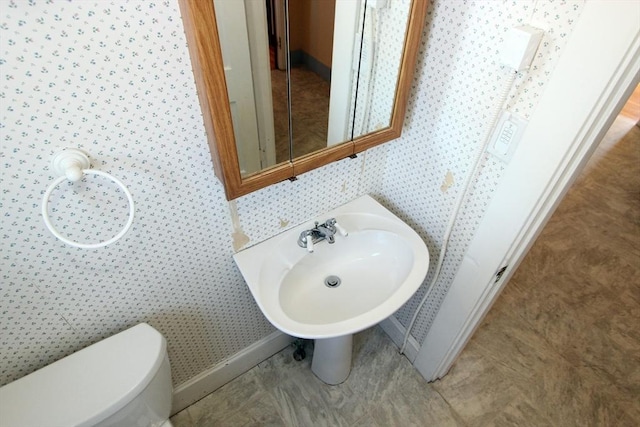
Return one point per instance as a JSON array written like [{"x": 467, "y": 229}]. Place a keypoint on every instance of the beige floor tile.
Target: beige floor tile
[
  {"x": 262, "y": 411},
  {"x": 227, "y": 401},
  {"x": 182, "y": 419},
  {"x": 475, "y": 388},
  {"x": 574, "y": 396},
  {"x": 271, "y": 371},
  {"x": 368, "y": 421},
  {"x": 375, "y": 371},
  {"x": 514, "y": 347},
  {"x": 413, "y": 401},
  {"x": 521, "y": 413},
  {"x": 306, "y": 402},
  {"x": 309, "y": 112}
]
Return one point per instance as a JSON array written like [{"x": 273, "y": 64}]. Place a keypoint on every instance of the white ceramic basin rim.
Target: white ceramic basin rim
[{"x": 381, "y": 263}]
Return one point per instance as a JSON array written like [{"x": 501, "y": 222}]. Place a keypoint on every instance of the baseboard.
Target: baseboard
[
  {"x": 396, "y": 332},
  {"x": 299, "y": 58},
  {"x": 215, "y": 377}
]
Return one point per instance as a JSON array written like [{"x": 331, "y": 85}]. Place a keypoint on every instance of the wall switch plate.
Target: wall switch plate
[{"x": 506, "y": 135}]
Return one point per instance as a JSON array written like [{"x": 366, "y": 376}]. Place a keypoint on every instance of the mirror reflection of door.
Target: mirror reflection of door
[
  {"x": 311, "y": 24},
  {"x": 249, "y": 63},
  {"x": 279, "y": 56},
  {"x": 232, "y": 27},
  {"x": 343, "y": 58}
]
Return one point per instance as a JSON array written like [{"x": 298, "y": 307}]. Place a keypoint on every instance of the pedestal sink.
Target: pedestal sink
[{"x": 340, "y": 288}]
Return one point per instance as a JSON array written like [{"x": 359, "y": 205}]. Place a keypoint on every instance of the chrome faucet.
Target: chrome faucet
[
  {"x": 326, "y": 231},
  {"x": 320, "y": 232}
]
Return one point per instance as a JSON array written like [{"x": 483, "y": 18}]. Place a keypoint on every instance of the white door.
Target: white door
[
  {"x": 261, "y": 71},
  {"x": 234, "y": 41},
  {"x": 604, "y": 50},
  {"x": 342, "y": 75}
]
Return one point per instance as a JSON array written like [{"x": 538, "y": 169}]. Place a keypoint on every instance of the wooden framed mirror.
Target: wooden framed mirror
[{"x": 219, "y": 111}]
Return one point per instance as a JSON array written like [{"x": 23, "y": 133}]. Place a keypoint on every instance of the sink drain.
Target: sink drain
[{"x": 332, "y": 281}]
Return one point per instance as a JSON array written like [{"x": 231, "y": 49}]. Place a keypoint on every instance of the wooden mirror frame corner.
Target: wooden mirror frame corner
[{"x": 199, "y": 21}]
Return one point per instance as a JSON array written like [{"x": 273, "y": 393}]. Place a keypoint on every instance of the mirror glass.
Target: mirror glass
[{"x": 303, "y": 75}]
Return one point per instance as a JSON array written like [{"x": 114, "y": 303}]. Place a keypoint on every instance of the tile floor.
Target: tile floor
[
  {"x": 561, "y": 346},
  {"x": 309, "y": 112}
]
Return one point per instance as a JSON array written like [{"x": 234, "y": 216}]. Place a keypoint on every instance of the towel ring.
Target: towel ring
[{"x": 72, "y": 164}]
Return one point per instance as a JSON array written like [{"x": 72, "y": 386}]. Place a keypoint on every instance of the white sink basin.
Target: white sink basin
[{"x": 381, "y": 263}]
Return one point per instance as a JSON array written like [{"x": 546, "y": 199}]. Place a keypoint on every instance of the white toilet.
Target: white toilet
[{"x": 124, "y": 380}]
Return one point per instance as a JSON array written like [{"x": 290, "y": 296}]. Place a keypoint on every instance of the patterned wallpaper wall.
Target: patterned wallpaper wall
[
  {"x": 459, "y": 80},
  {"x": 114, "y": 79}
]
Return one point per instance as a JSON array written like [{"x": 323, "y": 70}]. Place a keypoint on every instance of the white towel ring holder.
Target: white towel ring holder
[{"x": 72, "y": 164}]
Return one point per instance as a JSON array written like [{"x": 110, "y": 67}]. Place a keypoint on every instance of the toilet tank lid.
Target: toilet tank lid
[{"x": 87, "y": 386}]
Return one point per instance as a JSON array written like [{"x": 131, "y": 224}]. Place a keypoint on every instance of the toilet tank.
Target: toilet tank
[{"x": 124, "y": 380}]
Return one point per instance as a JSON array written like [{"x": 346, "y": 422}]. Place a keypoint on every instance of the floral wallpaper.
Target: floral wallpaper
[{"x": 113, "y": 78}]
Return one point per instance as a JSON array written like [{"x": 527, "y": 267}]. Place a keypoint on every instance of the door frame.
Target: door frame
[
  {"x": 600, "y": 67},
  {"x": 281, "y": 36},
  {"x": 236, "y": 54}
]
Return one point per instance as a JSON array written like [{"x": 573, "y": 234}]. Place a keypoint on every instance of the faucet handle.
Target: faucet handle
[
  {"x": 306, "y": 240},
  {"x": 309, "y": 240},
  {"x": 341, "y": 230}
]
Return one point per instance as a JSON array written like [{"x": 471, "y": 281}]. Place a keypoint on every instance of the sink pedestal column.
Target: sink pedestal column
[{"x": 332, "y": 358}]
